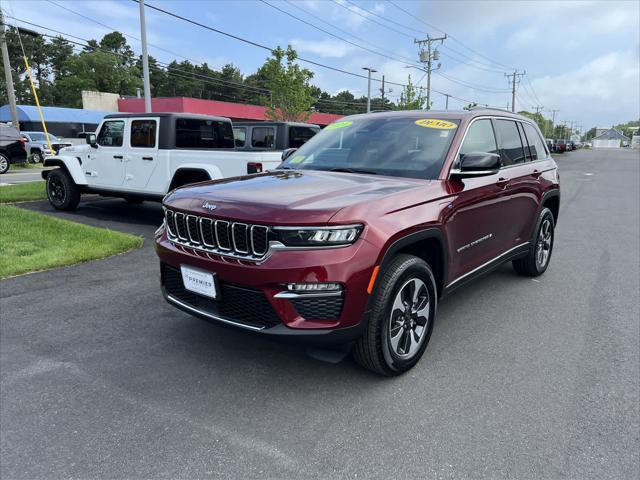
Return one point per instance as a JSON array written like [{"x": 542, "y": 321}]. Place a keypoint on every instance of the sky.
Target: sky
[{"x": 582, "y": 58}]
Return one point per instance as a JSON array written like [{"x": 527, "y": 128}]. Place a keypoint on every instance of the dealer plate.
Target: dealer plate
[{"x": 199, "y": 281}]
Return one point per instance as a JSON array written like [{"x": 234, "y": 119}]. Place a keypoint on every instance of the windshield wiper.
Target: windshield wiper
[{"x": 352, "y": 170}]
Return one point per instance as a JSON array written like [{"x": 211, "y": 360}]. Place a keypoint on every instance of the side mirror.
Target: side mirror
[
  {"x": 287, "y": 153},
  {"x": 477, "y": 164},
  {"x": 91, "y": 140}
]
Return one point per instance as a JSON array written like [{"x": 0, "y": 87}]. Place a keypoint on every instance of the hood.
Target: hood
[
  {"x": 74, "y": 149},
  {"x": 295, "y": 197}
]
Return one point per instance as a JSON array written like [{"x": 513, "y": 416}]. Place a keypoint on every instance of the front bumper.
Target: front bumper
[{"x": 252, "y": 292}]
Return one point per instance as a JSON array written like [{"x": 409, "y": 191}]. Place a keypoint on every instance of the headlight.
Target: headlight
[{"x": 318, "y": 236}]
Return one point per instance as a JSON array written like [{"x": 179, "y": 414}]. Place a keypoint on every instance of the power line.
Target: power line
[
  {"x": 450, "y": 36},
  {"x": 480, "y": 66}
]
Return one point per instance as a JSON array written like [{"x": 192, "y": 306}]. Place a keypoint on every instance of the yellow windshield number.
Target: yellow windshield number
[{"x": 435, "y": 123}]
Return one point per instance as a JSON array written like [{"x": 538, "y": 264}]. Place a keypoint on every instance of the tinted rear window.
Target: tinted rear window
[
  {"x": 298, "y": 136},
  {"x": 197, "y": 133}
]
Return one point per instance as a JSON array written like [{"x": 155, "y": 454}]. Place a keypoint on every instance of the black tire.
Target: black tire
[
  {"x": 62, "y": 192},
  {"x": 133, "y": 200},
  {"x": 4, "y": 163},
  {"x": 36, "y": 156},
  {"x": 375, "y": 350},
  {"x": 537, "y": 260}
]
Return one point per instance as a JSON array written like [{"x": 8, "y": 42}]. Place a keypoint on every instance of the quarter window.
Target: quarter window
[
  {"x": 536, "y": 146},
  {"x": 240, "y": 136},
  {"x": 111, "y": 134},
  {"x": 511, "y": 149},
  {"x": 298, "y": 136},
  {"x": 197, "y": 133},
  {"x": 143, "y": 133},
  {"x": 263, "y": 137}
]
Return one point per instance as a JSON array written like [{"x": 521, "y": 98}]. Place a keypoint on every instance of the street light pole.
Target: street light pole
[
  {"x": 370, "y": 70},
  {"x": 11, "y": 94},
  {"x": 145, "y": 59}
]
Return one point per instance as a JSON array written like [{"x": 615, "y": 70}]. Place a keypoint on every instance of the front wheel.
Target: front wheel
[
  {"x": 537, "y": 260},
  {"x": 4, "y": 163},
  {"x": 62, "y": 192},
  {"x": 401, "y": 319},
  {"x": 37, "y": 157}
]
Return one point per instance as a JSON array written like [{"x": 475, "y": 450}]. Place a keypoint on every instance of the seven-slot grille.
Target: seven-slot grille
[{"x": 220, "y": 236}]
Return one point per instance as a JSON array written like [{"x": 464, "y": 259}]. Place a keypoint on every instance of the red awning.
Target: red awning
[{"x": 235, "y": 111}]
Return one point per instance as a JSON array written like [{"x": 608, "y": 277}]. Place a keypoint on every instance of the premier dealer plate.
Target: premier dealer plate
[{"x": 198, "y": 281}]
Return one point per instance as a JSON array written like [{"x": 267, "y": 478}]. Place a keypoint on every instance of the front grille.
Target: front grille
[
  {"x": 243, "y": 305},
  {"x": 318, "y": 308},
  {"x": 219, "y": 236}
]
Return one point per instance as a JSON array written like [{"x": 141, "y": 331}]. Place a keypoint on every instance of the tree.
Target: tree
[
  {"x": 289, "y": 85},
  {"x": 411, "y": 98}
]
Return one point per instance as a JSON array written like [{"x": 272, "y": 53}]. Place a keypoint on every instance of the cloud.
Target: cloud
[
  {"x": 602, "y": 91},
  {"x": 327, "y": 48}
]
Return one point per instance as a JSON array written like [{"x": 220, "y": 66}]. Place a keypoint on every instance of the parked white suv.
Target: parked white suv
[{"x": 143, "y": 156}]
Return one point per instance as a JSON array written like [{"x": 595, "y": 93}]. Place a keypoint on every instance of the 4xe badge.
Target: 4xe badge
[{"x": 209, "y": 206}]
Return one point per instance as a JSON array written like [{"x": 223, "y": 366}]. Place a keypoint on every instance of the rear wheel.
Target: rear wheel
[
  {"x": 402, "y": 318},
  {"x": 539, "y": 254},
  {"x": 4, "y": 163},
  {"x": 62, "y": 192}
]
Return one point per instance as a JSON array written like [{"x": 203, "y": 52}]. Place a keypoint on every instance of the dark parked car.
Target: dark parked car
[
  {"x": 272, "y": 135},
  {"x": 11, "y": 147},
  {"x": 562, "y": 145},
  {"x": 360, "y": 232},
  {"x": 551, "y": 144}
]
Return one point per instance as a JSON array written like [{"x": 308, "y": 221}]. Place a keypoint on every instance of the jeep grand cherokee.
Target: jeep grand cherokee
[{"x": 360, "y": 232}]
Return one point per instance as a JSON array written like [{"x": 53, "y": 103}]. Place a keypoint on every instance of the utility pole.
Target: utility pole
[
  {"x": 384, "y": 92},
  {"x": 7, "y": 75},
  {"x": 145, "y": 59},
  {"x": 446, "y": 102},
  {"x": 370, "y": 70},
  {"x": 538, "y": 109},
  {"x": 428, "y": 57},
  {"x": 514, "y": 78},
  {"x": 553, "y": 121}
]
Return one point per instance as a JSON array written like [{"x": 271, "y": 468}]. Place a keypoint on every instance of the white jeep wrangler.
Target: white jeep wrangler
[{"x": 144, "y": 156}]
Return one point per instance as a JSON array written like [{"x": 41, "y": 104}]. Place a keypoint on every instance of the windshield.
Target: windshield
[{"x": 396, "y": 146}]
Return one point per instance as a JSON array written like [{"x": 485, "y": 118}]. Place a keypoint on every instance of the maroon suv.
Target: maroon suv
[{"x": 360, "y": 232}]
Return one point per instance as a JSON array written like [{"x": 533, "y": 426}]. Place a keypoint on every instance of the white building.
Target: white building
[{"x": 611, "y": 138}]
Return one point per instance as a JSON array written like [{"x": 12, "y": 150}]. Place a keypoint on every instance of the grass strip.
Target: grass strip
[
  {"x": 22, "y": 192},
  {"x": 30, "y": 241}
]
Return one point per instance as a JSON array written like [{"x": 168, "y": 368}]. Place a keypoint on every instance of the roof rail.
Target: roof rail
[{"x": 482, "y": 107}]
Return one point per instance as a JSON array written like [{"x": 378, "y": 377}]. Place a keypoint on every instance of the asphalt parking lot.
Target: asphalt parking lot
[{"x": 100, "y": 378}]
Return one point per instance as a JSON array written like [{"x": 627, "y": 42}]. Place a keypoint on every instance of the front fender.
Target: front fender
[{"x": 70, "y": 164}]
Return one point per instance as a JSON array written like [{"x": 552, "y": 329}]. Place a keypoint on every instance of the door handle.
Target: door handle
[
  {"x": 147, "y": 158},
  {"x": 536, "y": 173},
  {"x": 119, "y": 157},
  {"x": 502, "y": 182}
]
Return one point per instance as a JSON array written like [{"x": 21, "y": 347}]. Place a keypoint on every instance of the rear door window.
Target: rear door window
[
  {"x": 263, "y": 137},
  {"x": 111, "y": 134},
  {"x": 510, "y": 143},
  {"x": 536, "y": 145},
  {"x": 143, "y": 133},
  {"x": 202, "y": 133},
  {"x": 298, "y": 136},
  {"x": 240, "y": 136}
]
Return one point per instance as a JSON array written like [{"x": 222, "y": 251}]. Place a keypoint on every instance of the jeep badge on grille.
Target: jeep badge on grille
[{"x": 209, "y": 206}]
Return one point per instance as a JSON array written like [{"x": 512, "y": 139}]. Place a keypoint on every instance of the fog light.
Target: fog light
[{"x": 314, "y": 287}]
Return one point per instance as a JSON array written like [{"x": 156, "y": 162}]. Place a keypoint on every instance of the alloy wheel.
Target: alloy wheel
[
  {"x": 410, "y": 318},
  {"x": 543, "y": 246},
  {"x": 4, "y": 164},
  {"x": 56, "y": 191}
]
